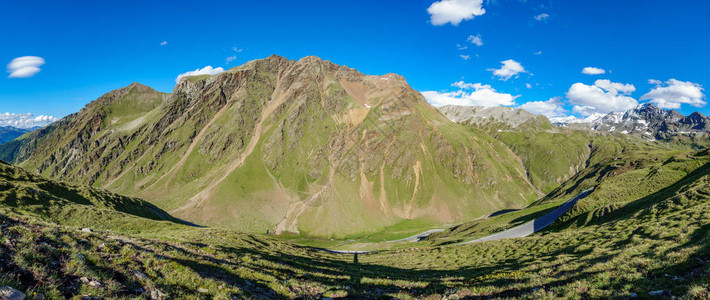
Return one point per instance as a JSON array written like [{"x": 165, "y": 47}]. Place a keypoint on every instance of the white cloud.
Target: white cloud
[
  {"x": 25, "y": 120},
  {"x": 607, "y": 85},
  {"x": 163, "y": 43},
  {"x": 602, "y": 97},
  {"x": 527, "y": 85},
  {"x": 235, "y": 49},
  {"x": 476, "y": 40},
  {"x": 508, "y": 69},
  {"x": 24, "y": 66},
  {"x": 538, "y": 53},
  {"x": 461, "y": 47},
  {"x": 481, "y": 95},
  {"x": 593, "y": 71},
  {"x": 465, "y": 57},
  {"x": 551, "y": 108},
  {"x": 542, "y": 17},
  {"x": 467, "y": 86},
  {"x": 455, "y": 11},
  {"x": 231, "y": 59},
  {"x": 672, "y": 93},
  {"x": 208, "y": 70}
]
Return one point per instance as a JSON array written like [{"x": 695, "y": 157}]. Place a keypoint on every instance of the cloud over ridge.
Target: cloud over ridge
[{"x": 208, "y": 70}]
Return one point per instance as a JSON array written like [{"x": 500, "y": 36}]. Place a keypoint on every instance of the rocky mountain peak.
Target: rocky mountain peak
[
  {"x": 648, "y": 121},
  {"x": 496, "y": 117},
  {"x": 284, "y": 144}
]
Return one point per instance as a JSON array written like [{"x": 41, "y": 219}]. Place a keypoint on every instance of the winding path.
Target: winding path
[
  {"x": 515, "y": 232},
  {"x": 417, "y": 237},
  {"x": 534, "y": 225}
]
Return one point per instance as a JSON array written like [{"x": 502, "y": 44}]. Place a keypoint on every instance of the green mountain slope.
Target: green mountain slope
[
  {"x": 301, "y": 146},
  {"x": 550, "y": 155},
  {"x": 655, "y": 246},
  {"x": 620, "y": 172},
  {"x": 25, "y": 193}
]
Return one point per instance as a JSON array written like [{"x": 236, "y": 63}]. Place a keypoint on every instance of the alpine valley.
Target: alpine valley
[
  {"x": 302, "y": 146},
  {"x": 305, "y": 179}
]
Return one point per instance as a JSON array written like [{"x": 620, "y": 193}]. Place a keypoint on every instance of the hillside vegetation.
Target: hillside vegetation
[
  {"x": 654, "y": 246},
  {"x": 297, "y": 147},
  {"x": 25, "y": 193}
]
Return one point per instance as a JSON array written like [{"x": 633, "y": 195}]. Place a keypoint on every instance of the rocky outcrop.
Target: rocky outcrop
[
  {"x": 650, "y": 122},
  {"x": 497, "y": 117}
]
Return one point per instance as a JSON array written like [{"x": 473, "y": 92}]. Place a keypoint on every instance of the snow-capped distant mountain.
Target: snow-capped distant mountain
[
  {"x": 564, "y": 121},
  {"x": 646, "y": 120}
]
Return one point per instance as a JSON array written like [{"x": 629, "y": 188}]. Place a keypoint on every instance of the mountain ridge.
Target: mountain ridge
[
  {"x": 9, "y": 133},
  {"x": 284, "y": 144},
  {"x": 645, "y": 121}
]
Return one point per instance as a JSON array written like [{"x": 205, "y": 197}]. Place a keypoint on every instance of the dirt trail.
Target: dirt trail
[
  {"x": 417, "y": 171},
  {"x": 203, "y": 195},
  {"x": 289, "y": 223},
  {"x": 290, "y": 220},
  {"x": 515, "y": 232}
]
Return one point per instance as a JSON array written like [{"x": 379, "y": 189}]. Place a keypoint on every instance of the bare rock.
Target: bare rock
[
  {"x": 140, "y": 275},
  {"x": 9, "y": 293},
  {"x": 90, "y": 282},
  {"x": 156, "y": 294}
]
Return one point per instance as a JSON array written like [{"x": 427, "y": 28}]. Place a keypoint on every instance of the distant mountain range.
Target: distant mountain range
[
  {"x": 646, "y": 121},
  {"x": 9, "y": 133},
  {"x": 649, "y": 121},
  {"x": 496, "y": 117}
]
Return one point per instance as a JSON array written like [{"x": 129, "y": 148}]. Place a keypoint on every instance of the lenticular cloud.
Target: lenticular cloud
[{"x": 24, "y": 66}]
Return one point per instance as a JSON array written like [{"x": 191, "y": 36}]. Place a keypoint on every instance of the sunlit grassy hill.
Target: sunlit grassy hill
[
  {"x": 296, "y": 147},
  {"x": 654, "y": 243}
]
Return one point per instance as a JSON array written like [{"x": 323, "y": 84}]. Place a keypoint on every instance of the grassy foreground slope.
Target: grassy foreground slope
[
  {"x": 29, "y": 194},
  {"x": 658, "y": 245},
  {"x": 620, "y": 169}
]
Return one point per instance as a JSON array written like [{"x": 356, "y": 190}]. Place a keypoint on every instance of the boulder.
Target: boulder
[
  {"x": 156, "y": 295},
  {"x": 140, "y": 275},
  {"x": 9, "y": 293}
]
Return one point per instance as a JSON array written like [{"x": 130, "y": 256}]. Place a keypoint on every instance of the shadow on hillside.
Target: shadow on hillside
[
  {"x": 309, "y": 273},
  {"x": 630, "y": 209},
  {"x": 502, "y": 212}
]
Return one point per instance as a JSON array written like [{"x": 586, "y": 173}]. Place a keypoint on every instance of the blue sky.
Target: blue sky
[{"x": 451, "y": 50}]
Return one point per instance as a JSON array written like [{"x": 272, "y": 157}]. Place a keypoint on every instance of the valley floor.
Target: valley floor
[
  {"x": 664, "y": 250},
  {"x": 643, "y": 232}
]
